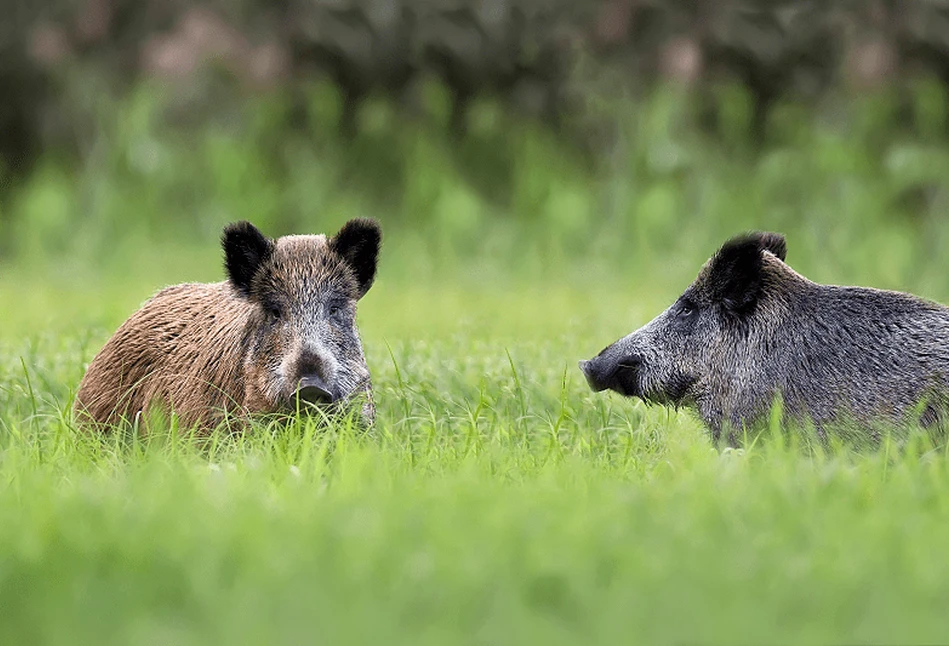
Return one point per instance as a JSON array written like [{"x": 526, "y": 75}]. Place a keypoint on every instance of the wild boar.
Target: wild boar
[
  {"x": 750, "y": 331},
  {"x": 279, "y": 331}
]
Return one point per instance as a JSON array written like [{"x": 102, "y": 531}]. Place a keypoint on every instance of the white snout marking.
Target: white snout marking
[{"x": 329, "y": 363}]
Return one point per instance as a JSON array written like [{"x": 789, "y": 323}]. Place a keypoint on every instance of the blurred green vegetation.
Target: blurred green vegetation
[{"x": 859, "y": 199}]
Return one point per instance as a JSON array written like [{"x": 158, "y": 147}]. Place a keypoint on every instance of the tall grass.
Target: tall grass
[
  {"x": 496, "y": 500},
  {"x": 483, "y": 507}
]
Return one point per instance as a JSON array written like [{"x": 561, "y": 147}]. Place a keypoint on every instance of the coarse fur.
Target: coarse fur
[
  {"x": 750, "y": 330},
  {"x": 280, "y": 329}
]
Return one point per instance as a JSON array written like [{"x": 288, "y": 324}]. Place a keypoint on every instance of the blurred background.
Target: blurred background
[{"x": 559, "y": 141}]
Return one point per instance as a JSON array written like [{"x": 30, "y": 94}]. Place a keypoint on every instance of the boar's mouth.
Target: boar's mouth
[
  {"x": 621, "y": 377},
  {"x": 673, "y": 392},
  {"x": 627, "y": 378},
  {"x": 312, "y": 393},
  {"x": 314, "y": 390},
  {"x": 315, "y": 397},
  {"x": 626, "y": 381}
]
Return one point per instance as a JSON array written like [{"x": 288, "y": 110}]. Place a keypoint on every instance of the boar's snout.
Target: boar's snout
[
  {"x": 593, "y": 375},
  {"x": 314, "y": 390},
  {"x": 315, "y": 384},
  {"x": 608, "y": 372}
]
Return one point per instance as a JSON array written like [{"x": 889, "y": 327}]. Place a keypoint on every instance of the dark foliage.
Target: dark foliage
[{"x": 524, "y": 52}]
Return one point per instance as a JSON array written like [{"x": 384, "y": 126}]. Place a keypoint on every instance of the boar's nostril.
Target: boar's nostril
[{"x": 315, "y": 391}]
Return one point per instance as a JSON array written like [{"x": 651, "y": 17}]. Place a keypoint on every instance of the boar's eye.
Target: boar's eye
[
  {"x": 334, "y": 309},
  {"x": 686, "y": 310},
  {"x": 273, "y": 311}
]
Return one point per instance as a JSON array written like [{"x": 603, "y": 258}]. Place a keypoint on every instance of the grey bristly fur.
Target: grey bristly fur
[{"x": 750, "y": 330}]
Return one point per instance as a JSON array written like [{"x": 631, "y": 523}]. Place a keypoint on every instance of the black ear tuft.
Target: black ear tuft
[
  {"x": 773, "y": 242},
  {"x": 358, "y": 244},
  {"x": 735, "y": 274},
  {"x": 245, "y": 250}
]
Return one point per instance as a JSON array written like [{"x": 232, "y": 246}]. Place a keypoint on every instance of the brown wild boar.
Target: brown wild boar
[{"x": 278, "y": 333}]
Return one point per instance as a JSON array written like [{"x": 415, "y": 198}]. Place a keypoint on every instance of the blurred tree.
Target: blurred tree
[{"x": 524, "y": 52}]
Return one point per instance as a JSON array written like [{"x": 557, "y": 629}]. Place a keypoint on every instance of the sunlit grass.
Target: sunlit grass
[{"x": 497, "y": 499}]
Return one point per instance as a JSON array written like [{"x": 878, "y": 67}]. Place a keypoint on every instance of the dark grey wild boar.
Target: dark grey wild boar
[
  {"x": 751, "y": 330},
  {"x": 280, "y": 331}
]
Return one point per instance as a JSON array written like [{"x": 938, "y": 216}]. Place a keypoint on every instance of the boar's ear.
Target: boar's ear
[
  {"x": 735, "y": 272},
  {"x": 773, "y": 242},
  {"x": 245, "y": 250},
  {"x": 358, "y": 244}
]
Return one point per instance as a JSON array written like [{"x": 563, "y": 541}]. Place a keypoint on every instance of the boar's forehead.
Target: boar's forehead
[{"x": 304, "y": 267}]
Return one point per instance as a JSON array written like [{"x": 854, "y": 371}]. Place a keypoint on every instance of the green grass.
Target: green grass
[{"x": 497, "y": 500}]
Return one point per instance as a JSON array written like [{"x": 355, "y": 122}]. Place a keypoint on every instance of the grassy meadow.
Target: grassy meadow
[{"x": 497, "y": 500}]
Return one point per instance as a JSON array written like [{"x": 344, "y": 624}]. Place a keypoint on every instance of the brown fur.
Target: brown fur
[
  {"x": 245, "y": 345},
  {"x": 179, "y": 348}
]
